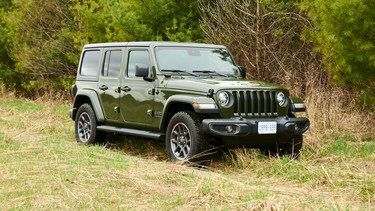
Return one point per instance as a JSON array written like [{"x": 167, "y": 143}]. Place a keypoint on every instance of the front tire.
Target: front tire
[
  {"x": 85, "y": 126},
  {"x": 184, "y": 138},
  {"x": 291, "y": 148}
]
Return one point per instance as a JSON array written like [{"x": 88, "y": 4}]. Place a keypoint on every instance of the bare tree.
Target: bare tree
[{"x": 264, "y": 36}]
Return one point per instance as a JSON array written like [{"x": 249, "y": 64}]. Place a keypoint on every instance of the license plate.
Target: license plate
[{"x": 267, "y": 127}]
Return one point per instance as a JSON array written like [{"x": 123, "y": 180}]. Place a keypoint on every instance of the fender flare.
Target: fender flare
[
  {"x": 94, "y": 100},
  {"x": 190, "y": 100}
]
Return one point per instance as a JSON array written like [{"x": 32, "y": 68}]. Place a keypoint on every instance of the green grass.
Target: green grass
[
  {"x": 23, "y": 106},
  {"x": 346, "y": 147},
  {"x": 43, "y": 168}
]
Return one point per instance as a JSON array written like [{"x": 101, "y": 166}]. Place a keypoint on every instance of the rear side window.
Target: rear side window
[
  {"x": 112, "y": 63},
  {"x": 90, "y": 63}
]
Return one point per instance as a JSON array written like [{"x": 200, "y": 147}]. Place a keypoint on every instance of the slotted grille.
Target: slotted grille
[{"x": 255, "y": 103}]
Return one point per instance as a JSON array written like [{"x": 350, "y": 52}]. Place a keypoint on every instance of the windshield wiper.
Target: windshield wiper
[
  {"x": 209, "y": 72},
  {"x": 180, "y": 71}
]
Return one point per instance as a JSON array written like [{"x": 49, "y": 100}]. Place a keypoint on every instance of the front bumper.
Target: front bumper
[{"x": 241, "y": 127}]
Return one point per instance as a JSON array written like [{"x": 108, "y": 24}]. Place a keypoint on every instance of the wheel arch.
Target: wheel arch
[
  {"x": 88, "y": 96},
  {"x": 171, "y": 109},
  {"x": 179, "y": 103}
]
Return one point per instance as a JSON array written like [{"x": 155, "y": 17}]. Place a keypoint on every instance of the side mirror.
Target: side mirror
[
  {"x": 143, "y": 70},
  {"x": 242, "y": 70}
]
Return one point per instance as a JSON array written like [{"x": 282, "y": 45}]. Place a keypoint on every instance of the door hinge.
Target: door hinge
[{"x": 151, "y": 91}]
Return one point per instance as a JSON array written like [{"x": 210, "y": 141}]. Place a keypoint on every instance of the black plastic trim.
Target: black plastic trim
[
  {"x": 134, "y": 132},
  {"x": 247, "y": 127},
  {"x": 300, "y": 108}
]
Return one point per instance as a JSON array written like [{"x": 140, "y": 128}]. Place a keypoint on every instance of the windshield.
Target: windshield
[{"x": 195, "y": 59}]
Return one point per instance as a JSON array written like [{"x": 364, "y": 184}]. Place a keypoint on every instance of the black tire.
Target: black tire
[
  {"x": 184, "y": 138},
  {"x": 85, "y": 126},
  {"x": 291, "y": 148}
]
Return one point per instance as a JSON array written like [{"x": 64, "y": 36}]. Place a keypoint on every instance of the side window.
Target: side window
[
  {"x": 90, "y": 63},
  {"x": 137, "y": 57},
  {"x": 112, "y": 63}
]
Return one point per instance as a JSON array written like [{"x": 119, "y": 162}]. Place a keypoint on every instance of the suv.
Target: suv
[{"x": 190, "y": 95}]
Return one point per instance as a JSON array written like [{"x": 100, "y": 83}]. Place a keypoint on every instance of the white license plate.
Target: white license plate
[{"x": 267, "y": 127}]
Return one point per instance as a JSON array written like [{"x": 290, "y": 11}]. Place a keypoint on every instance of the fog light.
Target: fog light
[{"x": 229, "y": 128}]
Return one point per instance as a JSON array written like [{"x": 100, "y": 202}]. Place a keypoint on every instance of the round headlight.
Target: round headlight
[
  {"x": 281, "y": 99},
  {"x": 224, "y": 98}
]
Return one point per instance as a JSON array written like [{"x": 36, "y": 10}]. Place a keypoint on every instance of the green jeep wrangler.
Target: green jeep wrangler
[{"x": 190, "y": 95}]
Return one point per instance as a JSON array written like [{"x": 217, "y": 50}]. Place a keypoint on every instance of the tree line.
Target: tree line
[
  {"x": 41, "y": 40},
  {"x": 284, "y": 41}
]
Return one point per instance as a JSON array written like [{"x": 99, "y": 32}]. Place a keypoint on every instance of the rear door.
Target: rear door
[{"x": 109, "y": 83}]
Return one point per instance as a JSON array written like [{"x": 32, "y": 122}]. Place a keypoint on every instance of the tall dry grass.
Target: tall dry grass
[
  {"x": 49, "y": 96},
  {"x": 333, "y": 111},
  {"x": 54, "y": 96},
  {"x": 5, "y": 93}
]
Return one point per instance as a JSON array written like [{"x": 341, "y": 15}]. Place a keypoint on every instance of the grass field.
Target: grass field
[{"x": 43, "y": 168}]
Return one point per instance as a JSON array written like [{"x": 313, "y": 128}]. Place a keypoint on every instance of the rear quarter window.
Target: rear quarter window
[{"x": 90, "y": 63}]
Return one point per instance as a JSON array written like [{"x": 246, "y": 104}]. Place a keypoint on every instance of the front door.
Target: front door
[{"x": 137, "y": 95}]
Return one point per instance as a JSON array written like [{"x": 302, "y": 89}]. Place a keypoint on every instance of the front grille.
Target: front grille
[{"x": 255, "y": 103}]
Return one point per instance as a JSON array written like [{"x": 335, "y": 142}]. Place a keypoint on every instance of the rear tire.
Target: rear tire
[
  {"x": 85, "y": 126},
  {"x": 184, "y": 138}
]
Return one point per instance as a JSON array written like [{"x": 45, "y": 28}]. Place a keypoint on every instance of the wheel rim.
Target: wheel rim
[
  {"x": 180, "y": 141},
  {"x": 84, "y": 127}
]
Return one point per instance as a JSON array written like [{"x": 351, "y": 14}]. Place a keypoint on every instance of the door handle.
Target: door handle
[
  {"x": 126, "y": 89},
  {"x": 103, "y": 87}
]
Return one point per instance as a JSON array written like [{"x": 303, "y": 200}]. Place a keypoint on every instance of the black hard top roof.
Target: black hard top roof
[{"x": 151, "y": 44}]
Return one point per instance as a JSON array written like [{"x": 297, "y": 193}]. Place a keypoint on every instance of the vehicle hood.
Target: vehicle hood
[{"x": 204, "y": 84}]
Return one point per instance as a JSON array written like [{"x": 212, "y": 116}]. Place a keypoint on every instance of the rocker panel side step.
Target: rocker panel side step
[{"x": 133, "y": 132}]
